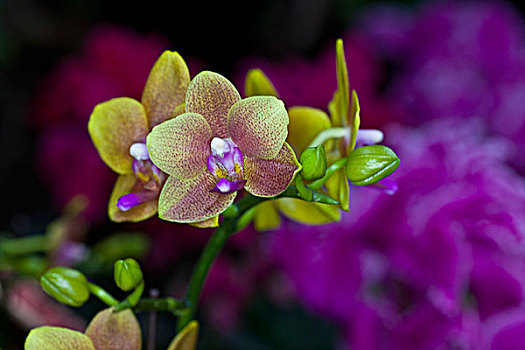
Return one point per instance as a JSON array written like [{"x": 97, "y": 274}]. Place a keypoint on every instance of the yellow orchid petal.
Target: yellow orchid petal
[
  {"x": 187, "y": 338},
  {"x": 258, "y": 84},
  {"x": 213, "y": 222},
  {"x": 212, "y": 95},
  {"x": 307, "y": 212},
  {"x": 355, "y": 120},
  {"x": 57, "y": 338},
  {"x": 114, "y": 126},
  {"x": 266, "y": 216},
  {"x": 339, "y": 107},
  {"x": 270, "y": 177},
  {"x": 305, "y": 124},
  {"x": 258, "y": 126},
  {"x": 181, "y": 146},
  {"x": 191, "y": 201},
  {"x": 339, "y": 189},
  {"x": 165, "y": 88},
  {"x": 126, "y": 184},
  {"x": 115, "y": 330}
]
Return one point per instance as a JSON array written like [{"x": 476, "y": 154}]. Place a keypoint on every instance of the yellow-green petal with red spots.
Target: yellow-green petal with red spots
[
  {"x": 124, "y": 185},
  {"x": 57, "y": 338},
  {"x": 110, "y": 330},
  {"x": 266, "y": 216},
  {"x": 305, "y": 124},
  {"x": 258, "y": 125},
  {"x": 270, "y": 177},
  {"x": 212, "y": 95},
  {"x": 258, "y": 84},
  {"x": 307, "y": 212},
  {"x": 165, "y": 88},
  {"x": 186, "y": 339},
  {"x": 181, "y": 146},
  {"x": 114, "y": 126},
  {"x": 191, "y": 200}
]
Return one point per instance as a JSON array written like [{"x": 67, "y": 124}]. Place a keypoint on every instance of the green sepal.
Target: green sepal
[
  {"x": 66, "y": 285},
  {"x": 339, "y": 106},
  {"x": 258, "y": 84},
  {"x": 127, "y": 274},
  {"x": 369, "y": 164},
  {"x": 313, "y": 160}
]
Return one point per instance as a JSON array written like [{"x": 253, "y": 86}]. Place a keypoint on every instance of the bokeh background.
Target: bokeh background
[{"x": 438, "y": 265}]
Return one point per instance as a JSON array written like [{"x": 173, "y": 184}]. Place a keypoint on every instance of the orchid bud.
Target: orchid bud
[
  {"x": 127, "y": 273},
  {"x": 66, "y": 285},
  {"x": 313, "y": 160},
  {"x": 369, "y": 164}
]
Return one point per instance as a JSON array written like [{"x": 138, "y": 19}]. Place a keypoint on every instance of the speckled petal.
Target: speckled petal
[
  {"x": 114, "y": 126},
  {"x": 187, "y": 338},
  {"x": 124, "y": 185},
  {"x": 181, "y": 146},
  {"x": 165, "y": 88},
  {"x": 269, "y": 177},
  {"x": 57, "y": 338},
  {"x": 307, "y": 212},
  {"x": 258, "y": 126},
  {"x": 212, "y": 95},
  {"x": 190, "y": 201},
  {"x": 115, "y": 330},
  {"x": 305, "y": 124}
]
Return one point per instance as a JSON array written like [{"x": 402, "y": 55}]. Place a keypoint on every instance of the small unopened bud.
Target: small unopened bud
[
  {"x": 369, "y": 164},
  {"x": 127, "y": 274},
  {"x": 313, "y": 160},
  {"x": 66, "y": 285}
]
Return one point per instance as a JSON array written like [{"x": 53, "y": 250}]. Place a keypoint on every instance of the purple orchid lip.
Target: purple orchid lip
[
  {"x": 225, "y": 186},
  {"x": 130, "y": 200}
]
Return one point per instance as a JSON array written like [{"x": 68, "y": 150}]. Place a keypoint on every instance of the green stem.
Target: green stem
[
  {"x": 210, "y": 252},
  {"x": 102, "y": 294},
  {"x": 214, "y": 246},
  {"x": 24, "y": 245},
  {"x": 172, "y": 305},
  {"x": 132, "y": 299},
  {"x": 332, "y": 133},
  {"x": 339, "y": 164}
]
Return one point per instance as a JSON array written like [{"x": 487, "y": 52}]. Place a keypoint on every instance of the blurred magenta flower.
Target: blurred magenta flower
[
  {"x": 445, "y": 251},
  {"x": 454, "y": 59}
]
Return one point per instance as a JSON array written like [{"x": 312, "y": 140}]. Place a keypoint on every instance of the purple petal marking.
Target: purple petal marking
[
  {"x": 367, "y": 137},
  {"x": 130, "y": 200},
  {"x": 386, "y": 185},
  {"x": 226, "y": 187},
  {"x": 237, "y": 156},
  {"x": 213, "y": 164}
]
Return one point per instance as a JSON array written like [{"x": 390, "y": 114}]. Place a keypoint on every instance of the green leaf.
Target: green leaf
[
  {"x": 127, "y": 274},
  {"x": 66, "y": 285},
  {"x": 313, "y": 160},
  {"x": 369, "y": 164}
]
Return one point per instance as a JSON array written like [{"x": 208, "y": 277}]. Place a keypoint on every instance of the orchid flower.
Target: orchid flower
[
  {"x": 119, "y": 127},
  {"x": 107, "y": 331},
  {"x": 306, "y": 124},
  {"x": 221, "y": 145}
]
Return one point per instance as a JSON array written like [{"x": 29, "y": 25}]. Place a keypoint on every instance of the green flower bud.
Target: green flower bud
[
  {"x": 127, "y": 274},
  {"x": 369, "y": 164},
  {"x": 313, "y": 160},
  {"x": 66, "y": 285}
]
